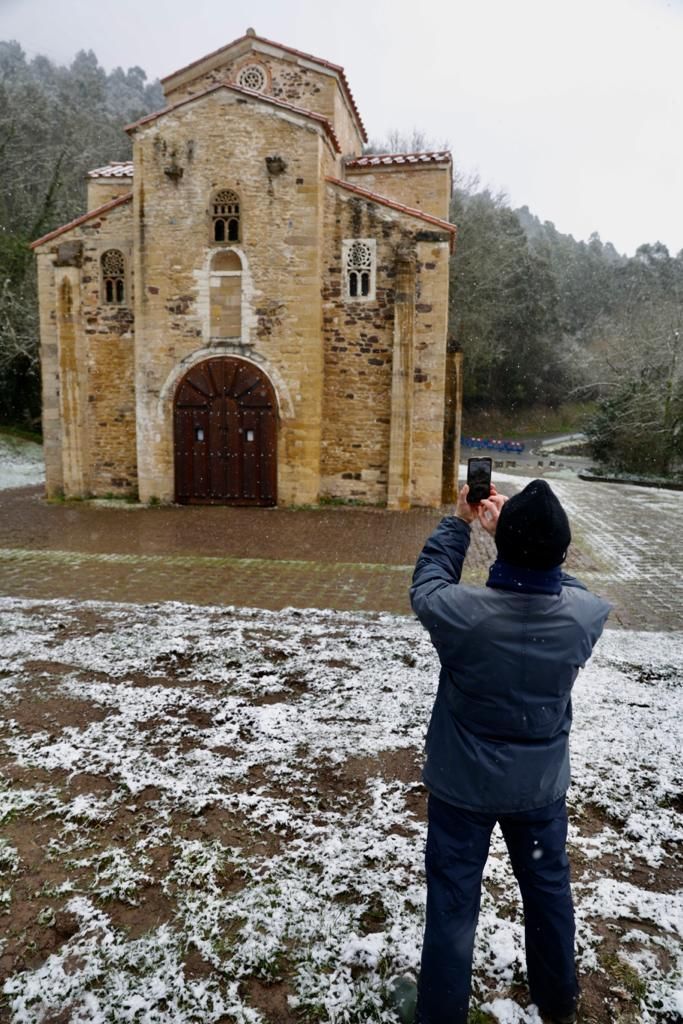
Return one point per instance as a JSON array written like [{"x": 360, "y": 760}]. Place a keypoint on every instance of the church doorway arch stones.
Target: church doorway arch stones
[
  {"x": 225, "y": 434},
  {"x": 285, "y": 406}
]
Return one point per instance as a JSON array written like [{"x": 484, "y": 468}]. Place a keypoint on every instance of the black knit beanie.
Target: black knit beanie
[{"x": 533, "y": 529}]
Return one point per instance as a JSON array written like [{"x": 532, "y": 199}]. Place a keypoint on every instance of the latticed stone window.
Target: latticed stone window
[
  {"x": 360, "y": 258},
  {"x": 226, "y": 216},
  {"x": 113, "y": 277},
  {"x": 252, "y": 77}
]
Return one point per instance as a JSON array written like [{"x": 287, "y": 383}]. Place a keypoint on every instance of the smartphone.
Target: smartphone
[{"x": 478, "y": 480}]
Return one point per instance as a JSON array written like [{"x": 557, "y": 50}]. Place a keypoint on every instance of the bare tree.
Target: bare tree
[
  {"x": 639, "y": 423},
  {"x": 398, "y": 141}
]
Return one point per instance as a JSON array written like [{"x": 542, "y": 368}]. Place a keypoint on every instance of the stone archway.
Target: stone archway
[{"x": 225, "y": 434}]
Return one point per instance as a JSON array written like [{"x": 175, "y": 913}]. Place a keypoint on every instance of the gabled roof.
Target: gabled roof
[
  {"x": 252, "y": 37},
  {"x": 115, "y": 169},
  {"x": 90, "y": 215},
  {"x": 398, "y": 159},
  {"x": 375, "y": 197},
  {"x": 240, "y": 90}
]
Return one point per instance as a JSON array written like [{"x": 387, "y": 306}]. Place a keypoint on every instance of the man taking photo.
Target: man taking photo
[{"x": 498, "y": 740}]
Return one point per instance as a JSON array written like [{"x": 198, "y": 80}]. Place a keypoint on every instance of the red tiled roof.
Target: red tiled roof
[
  {"x": 375, "y": 197},
  {"x": 393, "y": 159},
  {"x": 288, "y": 49},
  {"x": 115, "y": 169},
  {"x": 261, "y": 97},
  {"x": 98, "y": 212}
]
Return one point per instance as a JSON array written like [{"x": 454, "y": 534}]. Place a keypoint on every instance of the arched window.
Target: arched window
[
  {"x": 225, "y": 213},
  {"x": 359, "y": 257},
  {"x": 227, "y": 262},
  {"x": 225, "y": 283},
  {"x": 113, "y": 277}
]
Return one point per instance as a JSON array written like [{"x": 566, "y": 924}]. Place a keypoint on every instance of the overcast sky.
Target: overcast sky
[{"x": 572, "y": 107}]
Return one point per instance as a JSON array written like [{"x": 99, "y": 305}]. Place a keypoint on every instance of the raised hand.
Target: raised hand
[{"x": 488, "y": 510}]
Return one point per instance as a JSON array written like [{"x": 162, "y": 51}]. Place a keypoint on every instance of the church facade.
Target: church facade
[{"x": 251, "y": 311}]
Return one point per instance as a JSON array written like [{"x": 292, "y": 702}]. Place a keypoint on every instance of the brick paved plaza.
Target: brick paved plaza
[{"x": 626, "y": 546}]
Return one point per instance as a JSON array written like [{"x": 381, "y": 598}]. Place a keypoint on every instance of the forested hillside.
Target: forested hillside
[
  {"x": 56, "y": 123},
  {"x": 540, "y": 317}
]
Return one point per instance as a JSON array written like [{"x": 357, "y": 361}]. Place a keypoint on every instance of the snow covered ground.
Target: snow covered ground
[
  {"x": 215, "y": 815},
  {"x": 21, "y": 462}
]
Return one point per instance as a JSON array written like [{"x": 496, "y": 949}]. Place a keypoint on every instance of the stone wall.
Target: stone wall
[
  {"x": 424, "y": 187},
  {"x": 87, "y": 361},
  {"x": 49, "y": 370},
  {"x": 361, "y": 339},
  {"x": 218, "y": 144},
  {"x": 101, "y": 190},
  {"x": 357, "y": 338},
  {"x": 72, "y": 382},
  {"x": 429, "y": 371},
  {"x": 288, "y": 80}
]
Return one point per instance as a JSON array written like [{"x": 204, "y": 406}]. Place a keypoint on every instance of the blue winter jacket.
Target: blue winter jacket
[{"x": 498, "y": 739}]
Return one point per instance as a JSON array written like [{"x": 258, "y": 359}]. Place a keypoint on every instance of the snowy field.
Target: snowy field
[
  {"x": 21, "y": 462},
  {"x": 215, "y": 815}
]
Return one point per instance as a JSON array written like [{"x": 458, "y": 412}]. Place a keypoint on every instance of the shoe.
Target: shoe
[
  {"x": 402, "y": 997},
  {"x": 559, "y": 1018}
]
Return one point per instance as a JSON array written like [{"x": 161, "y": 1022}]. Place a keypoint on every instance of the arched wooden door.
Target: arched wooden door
[{"x": 225, "y": 423}]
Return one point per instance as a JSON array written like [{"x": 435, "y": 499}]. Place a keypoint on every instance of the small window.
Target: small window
[
  {"x": 225, "y": 211},
  {"x": 252, "y": 77},
  {"x": 226, "y": 261},
  {"x": 359, "y": 256},
  {"x": 113, "y": 277}
]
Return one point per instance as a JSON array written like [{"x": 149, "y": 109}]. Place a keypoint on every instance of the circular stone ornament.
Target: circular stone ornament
[{"x": 253, "y": 77}]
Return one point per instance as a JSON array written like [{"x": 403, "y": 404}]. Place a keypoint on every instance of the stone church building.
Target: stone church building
[{"x": 251, "y": 311}]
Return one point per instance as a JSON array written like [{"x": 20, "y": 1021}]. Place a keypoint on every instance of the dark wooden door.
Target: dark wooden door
[{"x": 225, "y": 423}]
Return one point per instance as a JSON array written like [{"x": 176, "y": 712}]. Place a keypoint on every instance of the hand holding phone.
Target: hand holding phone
[
  {"x": 478, "y": 480},
  {"x": 489, "y": 511}
]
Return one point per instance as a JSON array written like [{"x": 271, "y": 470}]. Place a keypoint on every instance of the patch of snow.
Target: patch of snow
[
  {"x": 506, "y": 1011},
  {"x": 279, "y": 722},
  {"x": 21, "y": 463}
]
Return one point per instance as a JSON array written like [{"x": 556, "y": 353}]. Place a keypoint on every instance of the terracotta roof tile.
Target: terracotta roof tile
[
  {"x": 375, "y": 197},
  {"x": 395, "y": 159},
  {"x": 288, "y": 49},
  {"x": 115, "y": 169},
  {"x": 261, "y": 97},
  {"x": 90, "y": 215}
]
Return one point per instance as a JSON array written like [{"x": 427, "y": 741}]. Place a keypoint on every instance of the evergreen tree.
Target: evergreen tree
[
  {"x": 56, "y": 123},
  {"x": 638, "y": 361},
  {"x": 504, "y": 308}
]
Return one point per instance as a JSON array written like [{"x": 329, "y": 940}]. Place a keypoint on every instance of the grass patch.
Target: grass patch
[
  {"x": 330, "y": 501},
  {"x": 59, "y": 498},
  {"x": 477, "y": 1016},
  {"x": 625, "y": 975},
  {"x": 129, "y": 497},
  {"x": 26, "y": 435},
  {"x": 327, "y": 500}
]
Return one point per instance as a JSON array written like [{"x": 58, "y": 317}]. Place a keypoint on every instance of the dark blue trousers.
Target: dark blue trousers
[{"x": 457, "y": 849}]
